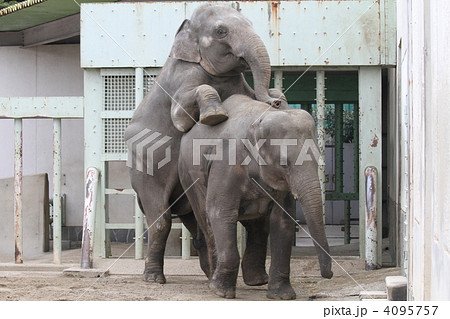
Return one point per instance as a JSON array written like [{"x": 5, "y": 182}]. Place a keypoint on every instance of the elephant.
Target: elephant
[
  {"x": 251, "y": 168},
  {"x": 205, "y": 65}
]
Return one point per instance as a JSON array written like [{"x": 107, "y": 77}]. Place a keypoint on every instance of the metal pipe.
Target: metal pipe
[
  {"x": 90, "y": 204},
  {"x": 185, "y": 243},
  {"x": 241, "y": 239},
  {"x": 371, "y": 176},
  {"x": 18, "y": 170},
  {"x": 57, "y": 247},
  {"x": 138, "y": 215},
  {"x": 347, "y": 227},
  {"x": 107, "y": 233},
  {"x": 278, "y": 80},
  {"x": 138, "y": 231},
  {"x": 320, "y": 100},
  {"x": 356, "y": 149},
  {"x": 339, "y": 148}
]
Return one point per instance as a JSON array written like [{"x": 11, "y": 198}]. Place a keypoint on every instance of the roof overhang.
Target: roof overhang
[{"x": 36, "y": 22}]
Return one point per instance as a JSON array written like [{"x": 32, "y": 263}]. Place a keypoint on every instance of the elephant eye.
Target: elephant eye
[{"x": 221, "y": 32}]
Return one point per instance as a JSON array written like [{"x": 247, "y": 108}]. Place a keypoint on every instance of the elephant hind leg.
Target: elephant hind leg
[
  {"x": 199, "y": 242},
  {"x": 204, "y": 239},
  {"x": 254, "y": 261},
  {"x": 159, "y": 222}
]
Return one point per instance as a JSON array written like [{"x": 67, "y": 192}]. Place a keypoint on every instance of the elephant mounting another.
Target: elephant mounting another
[
  {"x": 249, "y": 169},
  {"x": 209, "y": 54}
]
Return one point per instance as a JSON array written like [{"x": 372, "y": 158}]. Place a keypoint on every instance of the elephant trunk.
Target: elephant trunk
[
  {"x": 256, "y": 56},
  {"x": 309, "y": 194}
]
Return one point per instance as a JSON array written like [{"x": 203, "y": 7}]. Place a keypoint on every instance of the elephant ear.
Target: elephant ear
[{"x": 185, "y": 46}]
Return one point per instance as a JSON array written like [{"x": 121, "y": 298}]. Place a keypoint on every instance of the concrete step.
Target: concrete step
[
  {"x": 396, "y": 288},
  {"x": 33, "y": 267}
]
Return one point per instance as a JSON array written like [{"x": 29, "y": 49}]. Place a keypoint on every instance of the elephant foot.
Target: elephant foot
[
  {"x": 328, "y": 274},
  {"x": 282, "y": 292},
  {"x": 213, "y": 115},
  {"x": 155, "y": 277},
  {"x": 256, "y": 278},
  {"x": 222, "y": 291}
]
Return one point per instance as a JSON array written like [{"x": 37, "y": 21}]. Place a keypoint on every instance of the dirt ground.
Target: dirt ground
[{"x": 41, "y": 280}]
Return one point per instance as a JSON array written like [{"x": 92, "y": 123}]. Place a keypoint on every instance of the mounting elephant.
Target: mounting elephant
[
  {"x": 249, "y": 169},
  {"x": 209, "y": 54}
]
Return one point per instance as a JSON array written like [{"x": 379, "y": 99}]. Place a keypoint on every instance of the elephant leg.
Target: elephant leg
[
  {"x": 159, "y": 222},
  {"x": 199, "y": 242},
  {"x": 210, "y": 105},
  {"x": 224, "y": 227},
  {"x": 204, "y": 239},
  {"x": 254, "y": 261},
  {"x": 282, "y": 228},
  {"x": 155, "y": 208},
  {"x": 202, "y": 103}
]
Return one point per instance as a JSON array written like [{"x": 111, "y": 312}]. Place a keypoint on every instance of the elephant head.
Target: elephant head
[
  {"x": 224, "y": 42},
  {"x": 292, "y": 156}
]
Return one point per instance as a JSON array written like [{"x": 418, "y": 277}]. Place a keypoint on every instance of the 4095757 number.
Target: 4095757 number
[{"x": 410, "y": 310}]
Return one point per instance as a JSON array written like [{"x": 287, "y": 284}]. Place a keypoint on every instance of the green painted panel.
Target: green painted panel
[
  {"x": 340, "y": 87},
  {"x": 41, "y": 13}
]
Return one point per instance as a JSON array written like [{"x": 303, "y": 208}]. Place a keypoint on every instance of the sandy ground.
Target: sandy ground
[{"x": 41, "y": 280}]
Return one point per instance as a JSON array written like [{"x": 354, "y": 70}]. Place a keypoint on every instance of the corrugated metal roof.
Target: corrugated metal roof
[
  {"x": 31, "y": 13},
  {"x": 19, "y": 6}
]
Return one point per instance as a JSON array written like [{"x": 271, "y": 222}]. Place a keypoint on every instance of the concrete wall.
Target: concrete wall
[
  {"x": 35, "y": 217},
  {"x": 52, "y": 70},
  {"x": 424, "y": 91}
]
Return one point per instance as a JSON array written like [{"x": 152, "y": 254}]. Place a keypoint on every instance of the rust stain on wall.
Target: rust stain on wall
[
  {"x": 274, "y": 10},
  {"x": 374, "y": 141}
]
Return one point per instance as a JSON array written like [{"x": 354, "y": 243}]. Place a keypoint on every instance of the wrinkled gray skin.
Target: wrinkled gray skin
[
  {"x": 225, "y": 194},
  {"x": 209, "y": 53}
]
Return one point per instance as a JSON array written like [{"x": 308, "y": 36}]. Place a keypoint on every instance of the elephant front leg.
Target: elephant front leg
[
  {"x": 210, "y": 105},
  {"x": 223, "y": 225},
  {"x": 202, "y": 104},
  {"x": 254, "y": 260},
  {"x": 282, "y": 228}
]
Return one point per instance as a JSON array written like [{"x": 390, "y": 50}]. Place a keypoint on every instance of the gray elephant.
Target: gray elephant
[
  {"x": 204, "y": 67},
  {"x": 249, "y": 169}
]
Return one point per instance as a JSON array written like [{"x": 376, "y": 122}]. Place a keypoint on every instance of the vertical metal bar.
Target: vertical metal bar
[
  {"x": 18, "y": 169},
  {"x": 57, "y": 248},
  {"x": 138, "y": 231},
  {"x": 356, "y": 149},
  {"x": 185, "y": 242},
  {"x": 320, "y": 99},
  {"x": 241, "y": 239},
  {"x": 371, "y": 208},
  {"x": 93, "y": 128},
  {"x": 138, "y": 215},
  {"x": 90, "y": 205},
  {"x": 347, "y": 226},
  {"x": 370, "y": 138},
  {"x": 105, "y": 177},
  {"x": 278, "y": 80},
  {"x": 339, "y": 147}
]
